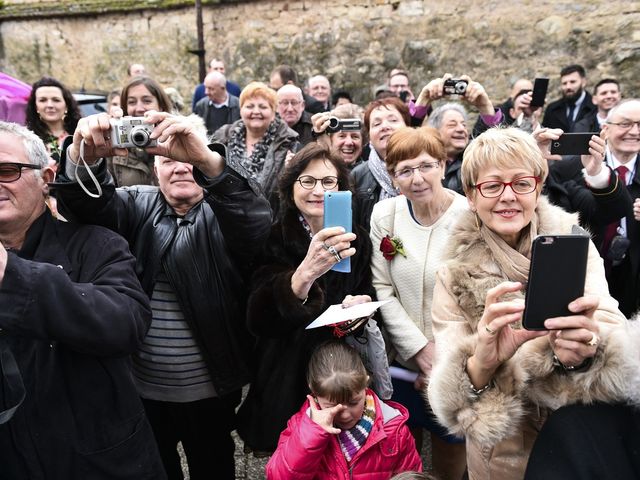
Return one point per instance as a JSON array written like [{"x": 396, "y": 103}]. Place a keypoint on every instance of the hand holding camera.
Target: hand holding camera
[{"x": 325, "y": 122}]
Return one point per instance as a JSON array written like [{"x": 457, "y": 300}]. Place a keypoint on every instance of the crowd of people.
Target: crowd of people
[{"x": 146, "y": 283}]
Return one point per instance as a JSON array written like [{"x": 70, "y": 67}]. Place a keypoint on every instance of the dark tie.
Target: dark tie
[
  {"x": 612, "y": 229},
  {"x": 572, "y": 107}
]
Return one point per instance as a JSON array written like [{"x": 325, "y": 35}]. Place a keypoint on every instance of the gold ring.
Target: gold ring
[
  {"x": 594, "y": 340},
  {"x": 489, "y": 331}
]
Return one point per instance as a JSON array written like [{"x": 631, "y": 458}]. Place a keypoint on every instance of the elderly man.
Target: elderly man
[
  {"x": 291, "y": 110},
  {"x": 194, "y": 237},
  {"x": 215, "y": 65},
  {"x": 71, "y": 313},
  {"x": 136, "y": 70},
  {"x": 320, "y": 89},
  {"x": 451, "y": 120},
  {"x": 286, "y": 75},
  {"x": 575, "y": 103},
  {"x": 219, "y": 107}
]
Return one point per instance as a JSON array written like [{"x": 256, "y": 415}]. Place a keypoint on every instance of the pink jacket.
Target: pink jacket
[{"x": 306, "y": 451}]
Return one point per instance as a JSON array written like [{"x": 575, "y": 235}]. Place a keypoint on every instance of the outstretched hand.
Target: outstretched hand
[{"x": 324, "y": 417}]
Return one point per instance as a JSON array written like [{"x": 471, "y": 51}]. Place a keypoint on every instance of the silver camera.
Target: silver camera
[
  {"x": 343, "y": 125},
  {"x": 127, "y": 132}
]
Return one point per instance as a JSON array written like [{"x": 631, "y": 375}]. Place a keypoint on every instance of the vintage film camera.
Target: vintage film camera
[{"x": 128, "y": 132}]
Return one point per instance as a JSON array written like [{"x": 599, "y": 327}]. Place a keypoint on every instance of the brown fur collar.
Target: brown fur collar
[{"x": 473, "y": 267}]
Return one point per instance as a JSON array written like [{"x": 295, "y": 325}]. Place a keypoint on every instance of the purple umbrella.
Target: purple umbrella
[{"x": 14, "y": 95}]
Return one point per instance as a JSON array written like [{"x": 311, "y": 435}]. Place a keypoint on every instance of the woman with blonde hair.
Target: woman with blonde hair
[{"x": 494, "y": 382}]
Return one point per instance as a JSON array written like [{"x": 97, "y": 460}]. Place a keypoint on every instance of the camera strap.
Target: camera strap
[
  {"x": 89, "y": 172},
  {"x": 12, "y": 388}
]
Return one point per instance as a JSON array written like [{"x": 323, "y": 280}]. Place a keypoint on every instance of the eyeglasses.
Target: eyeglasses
[
  {"x": 293, "y": 103},
  {"x": 10, "y": 172},
  {"x": 520, "y": 186},
  {"x": 407, "y": 173},
  {"x": 626, "y": 125},
  {"x": 309, "y": 183}
]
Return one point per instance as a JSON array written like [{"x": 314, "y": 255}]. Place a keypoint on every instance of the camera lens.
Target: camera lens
[
  {"x": 139, "y": 137},
  {"x": 334, "y": 122}
]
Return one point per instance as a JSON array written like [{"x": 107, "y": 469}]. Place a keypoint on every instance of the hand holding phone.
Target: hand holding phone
[
  {"x": 337, "y": 213},
  {"x": 556, "y": 277},
  {"x": 572, "y": 143}
]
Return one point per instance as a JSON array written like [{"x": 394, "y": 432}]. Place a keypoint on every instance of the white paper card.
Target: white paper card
[{"x": 337, "y": 314}]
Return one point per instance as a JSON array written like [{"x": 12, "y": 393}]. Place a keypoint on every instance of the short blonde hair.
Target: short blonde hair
[
  {"x": 258, "y": 89},
  {"x": 501, "y": 148}
]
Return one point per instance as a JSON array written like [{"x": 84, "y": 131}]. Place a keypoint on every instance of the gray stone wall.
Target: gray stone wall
[{"x": 353, "y": 42}]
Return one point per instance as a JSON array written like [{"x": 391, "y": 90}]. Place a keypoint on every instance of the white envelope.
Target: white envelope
[{"x": 337, "y": 314}]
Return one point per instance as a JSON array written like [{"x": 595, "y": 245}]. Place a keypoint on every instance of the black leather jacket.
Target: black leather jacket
[{"x": 204, "y": 254}]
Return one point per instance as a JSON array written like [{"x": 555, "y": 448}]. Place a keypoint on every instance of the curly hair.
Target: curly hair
[{"x": 35, "y": 123}]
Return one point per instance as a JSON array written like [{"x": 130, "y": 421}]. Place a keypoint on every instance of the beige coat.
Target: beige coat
[{"x": 501, "y": 424}]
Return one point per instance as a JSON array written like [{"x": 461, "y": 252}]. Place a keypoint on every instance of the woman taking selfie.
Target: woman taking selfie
[
  {"x": 139, "y": 95},
  {"x": 493, "y": 381},
  {"x": 52, "y": 114}
]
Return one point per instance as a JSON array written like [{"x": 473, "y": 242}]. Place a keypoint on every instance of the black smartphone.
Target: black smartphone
[
  {"x": 337, "y": 213},
  {"x": 556, "y": 277},
  {"x": 572, "y": 143},
  {"x": 539, "y": 93}
]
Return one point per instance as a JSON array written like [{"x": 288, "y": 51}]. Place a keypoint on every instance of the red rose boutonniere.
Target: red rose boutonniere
[{"x": 390, "y": 246}]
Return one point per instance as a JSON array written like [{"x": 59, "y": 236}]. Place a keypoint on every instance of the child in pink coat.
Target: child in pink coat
[{"x": 343, "y": 431}]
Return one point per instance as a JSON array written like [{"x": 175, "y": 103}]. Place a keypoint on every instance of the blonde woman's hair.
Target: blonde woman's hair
[{"x": 501, "y": 148}]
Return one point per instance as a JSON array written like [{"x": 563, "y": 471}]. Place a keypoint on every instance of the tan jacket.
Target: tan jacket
[{"x": 501, "y": 424}]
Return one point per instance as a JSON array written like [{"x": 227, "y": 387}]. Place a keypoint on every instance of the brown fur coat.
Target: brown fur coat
[{"x": 527, "y": 384}]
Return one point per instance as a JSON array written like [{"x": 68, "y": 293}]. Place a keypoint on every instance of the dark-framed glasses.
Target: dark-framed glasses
[
  {"x": 309, "y": 183},
  {"x": 626, "y": 124},
  {"x": 10, "y": 172},
  {"x": 520, "y": 186},
  {"x": 407, "y": 173}
]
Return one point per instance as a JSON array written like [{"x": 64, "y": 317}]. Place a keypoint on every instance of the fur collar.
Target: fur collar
[{"x": 473, "y": 267}]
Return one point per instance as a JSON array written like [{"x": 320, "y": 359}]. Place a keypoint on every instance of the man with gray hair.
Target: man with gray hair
[
  {"x": 71, "y": 312},
  {"x": 215, "y": 65},
  {"x": 291, "y": 110},
  {"x": 194, "y": 237},
  {"x": 219, "y": 107},
  {"x": 451, "y": 119},
  {"x": 320, "y": 89}
]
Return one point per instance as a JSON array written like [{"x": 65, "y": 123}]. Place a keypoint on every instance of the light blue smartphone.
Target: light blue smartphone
[{"x": 337, "y": 213}]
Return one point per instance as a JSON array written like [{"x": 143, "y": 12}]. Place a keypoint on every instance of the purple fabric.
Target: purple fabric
[{"x": 14, "y": 96}]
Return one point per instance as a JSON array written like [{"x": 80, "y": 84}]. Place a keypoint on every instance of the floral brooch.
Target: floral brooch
[{"x": 390, "y": 246}]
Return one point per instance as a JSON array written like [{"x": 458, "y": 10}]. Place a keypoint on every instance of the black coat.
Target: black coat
[
  {"x": 588, "y": 442},
  {"x": 555, "y": 116},
  {"x": 204, "y": 258},
  {"x": 367, "y": 194},
  {"x": 278, "y": 319},
  {"x": 71, "y": 312}
]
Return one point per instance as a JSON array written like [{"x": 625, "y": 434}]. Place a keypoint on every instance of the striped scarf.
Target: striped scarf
[{"x": 353, "y": 439}]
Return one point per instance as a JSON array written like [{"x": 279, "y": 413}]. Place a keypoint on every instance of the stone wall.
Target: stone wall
[{"x": 354, "y": 42}]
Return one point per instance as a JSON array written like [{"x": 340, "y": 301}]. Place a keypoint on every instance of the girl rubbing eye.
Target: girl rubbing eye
[{"x": 343, "y": 430}]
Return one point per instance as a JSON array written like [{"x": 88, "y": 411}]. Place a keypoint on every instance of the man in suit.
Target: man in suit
[
  {"x": 606, "y": 95},
  {"x": 219, "y": 107},
  {"x": 622, "y": 258},
  {"x": 575, "y": 103}
]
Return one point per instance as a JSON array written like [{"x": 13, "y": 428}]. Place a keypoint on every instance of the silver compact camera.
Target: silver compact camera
[
  {"x": 343, "y": 125},
  {"x": 128, "y": 132},
  {"x": 455, "y": 87}
]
